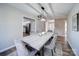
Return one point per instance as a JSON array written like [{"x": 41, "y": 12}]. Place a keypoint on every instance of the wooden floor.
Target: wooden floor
[{"x": 66, "y": 49}]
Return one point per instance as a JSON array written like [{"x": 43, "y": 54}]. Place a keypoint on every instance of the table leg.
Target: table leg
[{"x": 41, "y": 52}]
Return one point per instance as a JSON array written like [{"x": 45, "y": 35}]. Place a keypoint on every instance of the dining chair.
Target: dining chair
[
  {"x": 22, "y": 50},
  {"x": 51, "y": 44},
  {"x": 58, "y": 50}
]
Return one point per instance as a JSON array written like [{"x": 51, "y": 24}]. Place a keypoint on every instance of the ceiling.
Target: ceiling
[{"x": 52, "y": 10}]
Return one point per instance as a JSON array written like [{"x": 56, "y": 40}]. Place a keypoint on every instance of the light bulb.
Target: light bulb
[{"x": 43, "y": 19}]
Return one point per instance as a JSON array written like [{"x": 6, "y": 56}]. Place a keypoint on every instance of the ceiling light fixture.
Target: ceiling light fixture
[{"x": 43, "y": 19}]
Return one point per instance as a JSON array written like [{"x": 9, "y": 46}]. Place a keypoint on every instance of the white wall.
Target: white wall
[
  {"x": 40, "y": 26},
  {"x": 10, "y": 25},
  {"x": 73, "y": 37}
]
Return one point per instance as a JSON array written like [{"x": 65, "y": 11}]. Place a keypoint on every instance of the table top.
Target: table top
[{"x": 37, "y": 41}]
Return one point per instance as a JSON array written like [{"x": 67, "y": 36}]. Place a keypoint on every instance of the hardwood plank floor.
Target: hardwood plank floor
[{"x": 66, "y": 49}]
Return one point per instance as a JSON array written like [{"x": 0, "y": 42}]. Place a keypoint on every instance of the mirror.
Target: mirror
[{"x": 75, "y": 22}]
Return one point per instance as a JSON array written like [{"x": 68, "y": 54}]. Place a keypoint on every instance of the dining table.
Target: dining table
[{"x": 38, "y": 40}]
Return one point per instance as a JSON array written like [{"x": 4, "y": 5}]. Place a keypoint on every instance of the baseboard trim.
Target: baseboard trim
[
  {"x": 7, "y": 48},
  {"x": 75, "y": 52},
  {"x": 72, "y": 49}
]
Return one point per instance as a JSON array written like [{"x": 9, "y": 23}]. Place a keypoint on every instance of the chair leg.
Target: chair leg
[
  {"x": 42, "y": 52},
  {"x": 54, "y": 49},
  {"x": 52, "y": 52}
]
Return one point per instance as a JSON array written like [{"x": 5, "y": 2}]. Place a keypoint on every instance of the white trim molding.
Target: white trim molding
[
  {"x": 7, "y": 48},
  {"x": 72, "y": 48}
]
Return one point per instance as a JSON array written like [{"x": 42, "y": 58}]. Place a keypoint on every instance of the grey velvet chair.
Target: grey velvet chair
[{"x": 22, "y": 50}]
